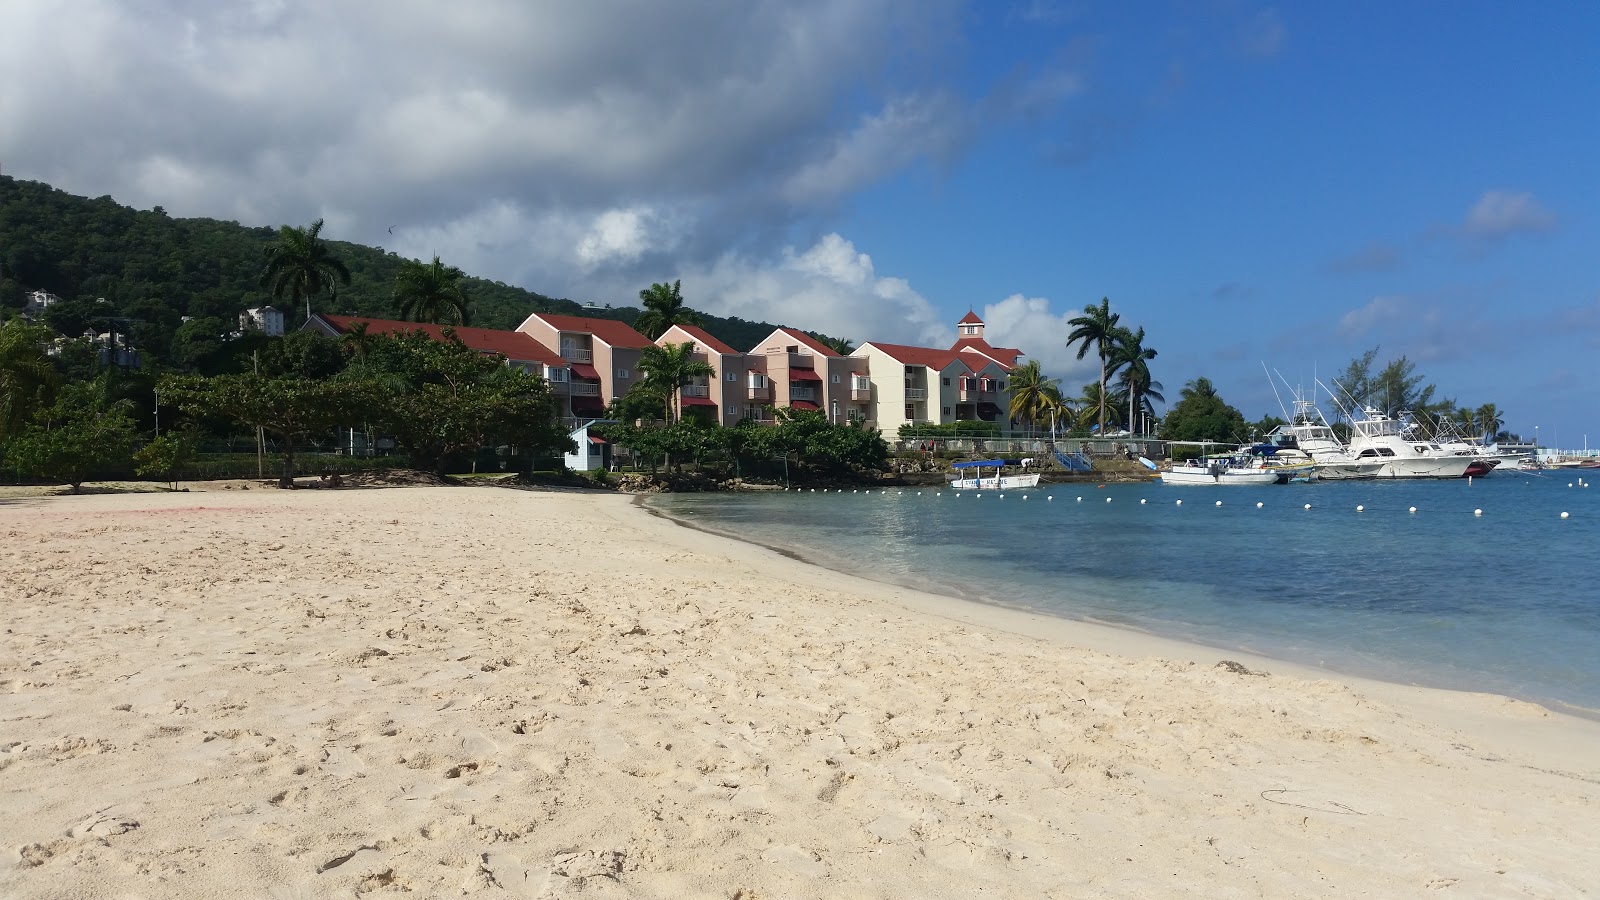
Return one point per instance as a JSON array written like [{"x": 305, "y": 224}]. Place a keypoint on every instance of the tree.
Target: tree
[
  {"x": 668, "y": 368},
  {"x": 82, "y": 434},
  {"x": 1031, "y": 398},
  {"x": 1489, "y": 421},
  {"x": 841, "y": 346},
  {"x": 441, "y": 398},
  {"x": 27, "y": 379},
  {"x": 430, "y": 293},
  {"x": 1133, "y": 357},
  {"x": 1201, "y": 415},
  {"x": 290, "y": 408},
  {"x": 300, "y": 266},
  {"x": 1356, "y": 380},
  {"x": 1096, "y": 328},
  {"x": 663, "y": 308},
  {"x": 167, "y": 456}
]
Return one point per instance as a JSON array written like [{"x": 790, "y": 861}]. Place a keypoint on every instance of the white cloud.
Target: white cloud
[
  {"x": 1029, "y": 324},
  {"x": 829, "y": 287},
  {"x": 1380, "y": 311},
  {"x": 1498, "y": 214}
]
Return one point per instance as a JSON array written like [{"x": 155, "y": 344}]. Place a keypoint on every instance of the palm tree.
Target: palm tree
[
  {"x": 430, "y": 292},
  {"x": 1489, "y": 420},
  {"x": 1030, "y": 394},
  {"x": 299, "y": 266},
  {"x": 669, "y": 368},
  {"x": 1058, "y": 407},
  {"x": 1133, "y": 357},
  {"x": 1096, "y": 328},
  {"x": 841, "y": 346},
  {"x": 356, "y": 342},
  {"x": 663, "y": 308}
]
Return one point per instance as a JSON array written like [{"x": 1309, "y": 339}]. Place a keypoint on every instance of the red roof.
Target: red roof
[
  {"x": 919, "y": 356},
  {"x": 815, "y": 345},
  {"x": 971, "y": 318},
  {"x": 513, "y": 345},
  {"x": 609, "y": 330},
  {"x": 704, "y": 337},
  {"x": 1005, "y": 356}
]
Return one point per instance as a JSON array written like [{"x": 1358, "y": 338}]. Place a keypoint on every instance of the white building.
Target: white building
[
  {"x": 265, "y": 319},
  {"x": 39, "y": 301}
]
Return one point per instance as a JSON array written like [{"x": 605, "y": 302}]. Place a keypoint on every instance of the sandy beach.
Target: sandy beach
[{"x": 448, "y": 691}]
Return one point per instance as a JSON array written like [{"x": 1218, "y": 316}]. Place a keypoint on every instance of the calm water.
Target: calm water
[{"x": 1506, "y": 602}]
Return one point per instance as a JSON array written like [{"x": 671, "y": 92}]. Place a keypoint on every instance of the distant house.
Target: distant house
[
  {"x": 38, "y": 302},
  {"x": 266, "y": 319},
  {"x": 593, "y": 452}
]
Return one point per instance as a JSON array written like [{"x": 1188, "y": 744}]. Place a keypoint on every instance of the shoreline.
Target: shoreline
[
  {"x": 231, "y": 694},
  {"x": 1189, "y": 648}
]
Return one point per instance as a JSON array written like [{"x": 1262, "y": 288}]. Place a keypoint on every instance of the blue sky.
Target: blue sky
[{"x": 1287, "y": 184}]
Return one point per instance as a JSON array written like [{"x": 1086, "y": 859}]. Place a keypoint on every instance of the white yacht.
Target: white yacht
[
  {"x": 1309, "y": 437},
  {"x": 1379, "y": 437}
]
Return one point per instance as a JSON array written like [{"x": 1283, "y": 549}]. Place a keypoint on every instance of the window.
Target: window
[
  {"x": 835, "y": 379},
  {"x": 555, "y": 375},
  {"x": 792, "y": 348},
  {"x": 911, "y": 412},
  {"x": 947, "y": 410},
  {"x": 1002, "y": 385},
  {"x": 758, "y": 380},
  {"x": 733, "y": 376},
  {"x": 622, "y": 373},
  {"x": 946, "y": 382}
]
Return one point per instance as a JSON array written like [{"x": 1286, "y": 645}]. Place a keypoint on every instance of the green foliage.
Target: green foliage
[
  {"x": 82, "y": 434},
  {"x": 1096, "y": 328},
  {"x": 1035, "y": 399},
  {"x": 306, "y": 354},
  {"x": 27, "y": 379},
  {"x": 975, "y": 428},
  {"x": 1266, "y": 425},
  {"x": 804, "y": 439},
  {"x": 299, "y": 267},
  {"x": 1201, "y": 415},
  {"x": 440, "y": 399},
  {"x": 292, "y": 408},
  {"x": 668, "y": 368},
  {"x": 663, "y": 308},
  {"x": 167, "y": 456},
  {"x": 431, "y": 293}
]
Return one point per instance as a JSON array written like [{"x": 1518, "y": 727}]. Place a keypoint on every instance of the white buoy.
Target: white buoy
[
  {"x": 1141, "y": 502},
  {"x": 1360, "y": 508},
  {"x": 1002, "y": 496},
  {"x": 1108, "y": 499},
  {"x": 1258, "y": 504},
  {"x": 1219, "y": 502},
  {"x": 1569, "y": 484},
  {"x": 1050, "y": 497},
  {"x": 813, "y": 490},
  {"x": 977, "y": 496},
  {"x": 1024, "y": 496},
  {"x": 1563, "y": 515},
  {"x": 1308, "y": 506},
  {"x": 919, "y": 493},
  {"x": 1080, "y": 499},
  {"x": 1178, "y": 503},
  {"x": 1413, "y": 509},
  {"x": 1477, "y": 512}
]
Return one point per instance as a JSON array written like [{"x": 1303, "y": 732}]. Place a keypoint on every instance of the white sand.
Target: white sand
[{"x": 453, "y": 690}]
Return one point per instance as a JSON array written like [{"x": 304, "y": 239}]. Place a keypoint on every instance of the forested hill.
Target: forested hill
[{"x": 154, "y": 270}]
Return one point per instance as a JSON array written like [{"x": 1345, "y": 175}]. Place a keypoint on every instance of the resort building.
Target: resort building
[
  {"x": 928, "y": 386},
  {"x": 724, "y": 395},
  {"x": 801, "y": 372},
  {"x": 266, "y": 319},
  {"x": 519, "y": 349},
  {"x": 38, "y": 302},
  {"x": 603, "y": 355}
]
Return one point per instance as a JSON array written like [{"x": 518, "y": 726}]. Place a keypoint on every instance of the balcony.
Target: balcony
[
  {"x": 797, "y": 360},
  {"x": 576, "y": 354},
  {"x": 696, "y": 390},
  {"x": 974, "y": 395},
  {"x": 861, "y": 394},
  {"x": 585, "y": 389},
  {"x": 916, "y": 393},
  {"x": 759, "y": 393},
  {"x": 803, "y": 393}
]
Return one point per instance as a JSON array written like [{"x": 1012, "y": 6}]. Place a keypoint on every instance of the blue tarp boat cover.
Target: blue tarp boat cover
[{"x": 986, "y": 463}]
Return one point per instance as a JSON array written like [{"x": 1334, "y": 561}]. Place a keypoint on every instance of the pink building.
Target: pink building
[{"x": 602, "y": 353}]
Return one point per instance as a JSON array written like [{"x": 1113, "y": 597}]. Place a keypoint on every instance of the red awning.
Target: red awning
[
  {"x": 803, "y": 404},
  {"x": 596, "y": 440},
  {"x": 584, "y": 370},
  {"x": 698, "y": 401},
  {"x": 803, "y": 375},
  {"x": 588, "y": 403}
]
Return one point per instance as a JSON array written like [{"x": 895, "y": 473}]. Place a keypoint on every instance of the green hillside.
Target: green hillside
[{"x": 153, "y": 270}]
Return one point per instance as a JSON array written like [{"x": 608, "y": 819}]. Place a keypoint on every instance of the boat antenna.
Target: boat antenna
[{"x": 1275, "y": 395}]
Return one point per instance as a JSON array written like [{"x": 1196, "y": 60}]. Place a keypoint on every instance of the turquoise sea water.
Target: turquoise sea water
[{"x": 1507, "y": 602}]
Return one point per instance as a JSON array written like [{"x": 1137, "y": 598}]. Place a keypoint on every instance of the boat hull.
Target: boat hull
[
  {"x": 1224, "y": 477},
  {"x": 1002, "y": 483}
]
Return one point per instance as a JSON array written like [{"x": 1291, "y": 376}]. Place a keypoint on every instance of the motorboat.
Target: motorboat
[
  {"x": 1229, "y": 470},
  {"x": 1379, "y": 437},
  {"x": 1308, "y": 438},
  {"x": 998, "y": 481}
]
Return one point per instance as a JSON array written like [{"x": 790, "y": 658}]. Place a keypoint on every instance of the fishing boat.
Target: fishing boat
[
  {"x": 1378, "y": 437},
  {"x": 998, "y": 481},
  {"x": 1308, "y": 438},
  {"x": 1229, "y": 470}
]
